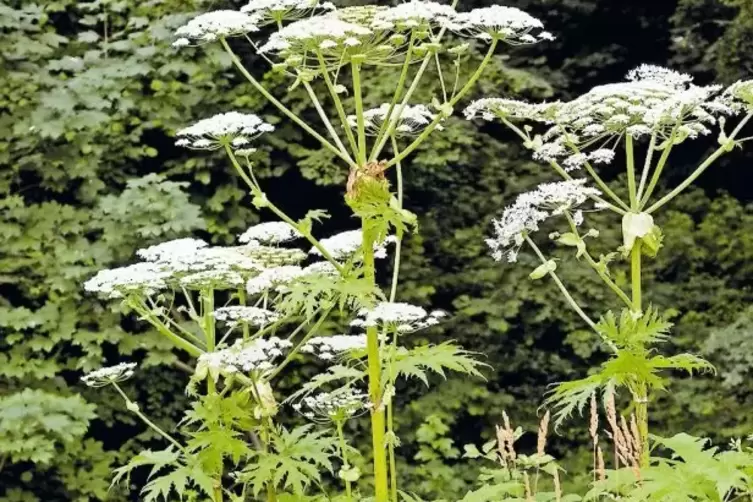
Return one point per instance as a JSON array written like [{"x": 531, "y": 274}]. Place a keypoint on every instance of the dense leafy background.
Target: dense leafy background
[{"x": 91, "y": 94}]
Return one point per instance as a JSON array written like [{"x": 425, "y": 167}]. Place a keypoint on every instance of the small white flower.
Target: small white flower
[
  {"x": 257, "y": 356},
  {"x": 326, "y": 346},
  {"x": 272, "y": 232},
  {"x": 338, "y": 405},
  {"x": 139, "y": 278},
  {"x": 531, "y": 209},
  {"x": 111, "y": 374},
  {"x": 273, "y": 279},
  {"x": 403, "y": 317},
  {"x": 345, "y": 244},
  {"x": 301, "y": 36},
  {"x": 214, "y": 279},
  {"x": 253, "y": 316},
  {"x": 416, "y": 14},
  {"x": 211, "y": 26},
  {"x": 222, "y": 129},
  {"x": 511, "y": 109},
  {"x": 413, "y": 119},
  {"x": 506, "y": 24},
  {"x": 273, "y": 11},
  {"x": 170, "y": 249}
]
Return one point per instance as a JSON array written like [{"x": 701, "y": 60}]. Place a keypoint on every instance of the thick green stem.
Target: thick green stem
[
  {"x": 292, "y": 116},
  {"x": 393, "y": 297},
  {"x": 630, "y": 154},
  {"x": 242, "y": 302},
  {"x": 360, "y": 124},
  {"x": 640, "y": 394},
  {"x": 375, "y": 381}
]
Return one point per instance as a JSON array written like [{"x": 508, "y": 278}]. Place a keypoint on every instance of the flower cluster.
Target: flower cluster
[
  {"x": 272, "y": 232},
  {"x": 271, "y": 256},
  {"x": 212, "y": 26},
  {"x": 412, "y": 120},
  {"x": 257, "y": 356},
  {"x": 253, "y": 316},
  {"x": 402, "y": 317},
  {"x": 275, "y": 278},
  {"x": 188, "y": 263},
  {"x": 139, "y": 278},
  {"x": 346, "y": 244},
  {"x": 327, "y": 347},
  {"x": 111, "y": 374},
  {"x": 414, "y": 15},
  {"x": 653, "y": 101},
  {"x": 531, "y": 209},
  {"x": 506, "y": 24},
  {"x": 233, "y": 128},
  {"x": 511, "y": 109},
  {"x": 276, "y": 11},
  {"x": 336, "y": 406},
  {"x": 327, "y": 35}
]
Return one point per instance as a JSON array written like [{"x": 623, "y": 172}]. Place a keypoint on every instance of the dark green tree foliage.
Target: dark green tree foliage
[{"x": 91, "y": 95}]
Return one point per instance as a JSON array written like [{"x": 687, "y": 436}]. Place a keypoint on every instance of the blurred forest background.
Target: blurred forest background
[{"x": 91, "y": 94}]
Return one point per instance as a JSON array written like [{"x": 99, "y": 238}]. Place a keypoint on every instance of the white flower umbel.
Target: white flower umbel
[
  {"x": 111, "y": 374},
  {"x": 531, "y": 209},
  {"x": 271, "y": 232},
  {"x": 185, "y": 256},
  {"x": 139, "y": 278},
  {"x": 212, "y": 26},
  {"x": 653, "y": 101},
  {"x": 402, "y": 317},
  {"x": 271, "y": 256},
  {"x": 277, "y": 11},
  {"x": 345, "y": 244},
  {"x": 321, "y": 268},
  {"x": 232, "y": 128},
  {"x": 414, "y": 15},
  {"x": 510, "y": 109},
  {"x": 273, "y": 279},
  {"x": 213, "y": 279},
  {"x": 253, "y": 316},
  {"x": 257, "y": 356},
  {"x": 170, "y": 249},
  {"x": 334, "y": 406},
  {"x": 506, "y": 24},
  {"x": 326, "y": 34},
  {"x": 327, "y": 347},
  {"x": 413, "y": 119}
]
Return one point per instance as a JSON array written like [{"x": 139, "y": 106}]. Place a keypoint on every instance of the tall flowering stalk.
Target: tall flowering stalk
[
  {"x": 655, "y": 109},
  {"x": 314, "y": 43}
]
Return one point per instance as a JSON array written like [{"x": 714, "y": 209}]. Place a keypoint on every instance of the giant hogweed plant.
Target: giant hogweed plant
[
  {"x": 639, "y": 123},
  {"x": 245, "y": 312}
]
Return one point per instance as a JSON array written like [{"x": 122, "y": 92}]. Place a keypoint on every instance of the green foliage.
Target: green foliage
[
  {"x": 694, "y": 472},
  {"x": 36, "y": 425},
  {"x": 294, "y": 460}
]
